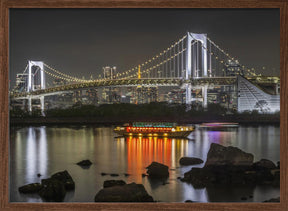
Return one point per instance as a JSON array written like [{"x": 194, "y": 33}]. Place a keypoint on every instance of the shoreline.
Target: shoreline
[{"x": 116, "y": 121}]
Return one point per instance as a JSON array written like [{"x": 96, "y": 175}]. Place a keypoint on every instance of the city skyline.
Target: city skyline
[{"x": 79, "y": 42}]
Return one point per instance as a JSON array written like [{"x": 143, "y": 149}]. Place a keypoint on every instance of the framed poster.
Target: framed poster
[{"x": 172, "y": 102}]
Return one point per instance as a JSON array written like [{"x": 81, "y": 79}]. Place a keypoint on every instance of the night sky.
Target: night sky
[{"x": 79, "y": 42}]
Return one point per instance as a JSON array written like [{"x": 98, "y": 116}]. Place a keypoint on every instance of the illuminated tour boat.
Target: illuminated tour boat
[{"x": 159, "y": 129}]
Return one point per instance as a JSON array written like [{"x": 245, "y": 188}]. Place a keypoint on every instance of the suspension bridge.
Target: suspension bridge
[{"x": 193, "y": 61}]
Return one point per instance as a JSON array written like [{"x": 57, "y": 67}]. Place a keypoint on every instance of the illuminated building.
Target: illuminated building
[
  {"x": 21, "y": 82},
  {"x": 77, "y": 96},
  {"x": 253, "y": 97},
  {"x": 176, "y": 96},
  {"x": 109, "y": 72},
  {"x": 92, "y": 96},
  {"x": 146, "y": 94},
  {"x": 111, "y": 95}
]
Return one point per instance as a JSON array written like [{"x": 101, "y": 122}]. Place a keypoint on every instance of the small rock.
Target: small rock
[
  {"x": 179, "y": 177},
  {"x": 188, "y": 201},
  {"x": 126, "y": 175},
  {"x": 111, "y": 183},
  {"x": 114, "y": 175},
  {"x": 243, "y": 198},
  {"x": 185, "y": 161},
  {"x": 39, "y": 175},
  {"x": 85, "y": 163},
  {"x": 103, "y": 174},
  {"x": 30, "y": 188},
  {"x": 157, "y": 170}
]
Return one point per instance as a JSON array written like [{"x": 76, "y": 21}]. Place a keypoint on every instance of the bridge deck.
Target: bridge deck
[{"x": 130, "y": 82}]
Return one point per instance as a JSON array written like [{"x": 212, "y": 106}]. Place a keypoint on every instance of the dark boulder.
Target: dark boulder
[
  {"x": 222, "y": 169},
  {"x": 53, "y": 190},
  {"x": 30, "y": 188},
  {"x": 220, "y": 155},
  {"x": 125, "y": 193},
  {"x": 190, "y": 161},
  {"x": 264, "y": 163},
  {"x": 198, "y": 177},
  {"x": 157, "y": 170},
  {"x": 85, "y": 163},
  {"x": 111, "y": 183},
  {"x": 273, "y": 200},
  {"x": 65, "y": 178},
  {"x": 189, "y": 201}
]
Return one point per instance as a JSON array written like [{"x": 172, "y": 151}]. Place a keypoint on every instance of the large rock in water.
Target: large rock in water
[
  {"x": 185, "y": 161},
  {"x": 125, "y": 193},
  {"x": 111, "y": 183},
  {"x": 53, "y": 190},
  {"x": 30, "y": 188},
  {"x": 220, "y": 155},
  {"x": 231, "y": 166},
  {"x": 65, "y": 178},
  {"x": 157, "y": 170}
]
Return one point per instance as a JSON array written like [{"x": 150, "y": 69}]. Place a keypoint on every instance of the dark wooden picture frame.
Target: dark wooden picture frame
[{"x": 282, "y": 5}]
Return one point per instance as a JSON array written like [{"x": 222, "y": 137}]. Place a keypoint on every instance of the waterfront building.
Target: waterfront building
[
  {"x": 253, "y": 97},
  {"x": 21, "y": 82},
  {"x": 146, "y": 94},
  {"x": 92, "y": 96}
]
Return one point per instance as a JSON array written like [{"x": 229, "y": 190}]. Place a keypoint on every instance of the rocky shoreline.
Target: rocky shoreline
[
  {"x": 232, "y": 166},
  {"x": 224, "y": 166}
]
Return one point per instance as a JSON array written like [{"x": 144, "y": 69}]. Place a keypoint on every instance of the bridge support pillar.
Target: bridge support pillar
[
  {"x": 188, "y": 95},
  {"x": 29, "y": 104},
  {"x": 203, "y": 39},
  {"x": 42, "y": 105},
  {"x": 204, "y": 95}
]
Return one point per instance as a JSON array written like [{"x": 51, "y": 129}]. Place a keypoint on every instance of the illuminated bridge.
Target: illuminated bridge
[{"x": 192, "y": 62}]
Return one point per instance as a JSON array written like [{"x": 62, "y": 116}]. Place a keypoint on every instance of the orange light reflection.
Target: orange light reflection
[{"x": 141, "y": 152}]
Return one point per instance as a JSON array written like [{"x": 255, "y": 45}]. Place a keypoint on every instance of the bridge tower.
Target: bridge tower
[
  {"x": 34, "y": 84},
  {"x": 193, "y": 59}
]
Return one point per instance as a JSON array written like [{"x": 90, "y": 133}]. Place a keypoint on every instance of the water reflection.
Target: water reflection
[
  {"x": 46, "y": 150},
  {"x": 141, "y": 152},
  {"x": 36, "y": 153}
]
